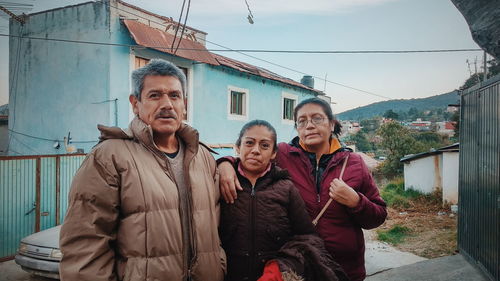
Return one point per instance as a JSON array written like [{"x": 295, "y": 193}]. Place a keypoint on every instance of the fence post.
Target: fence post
[
  {"x": 37, "y": 194},
  {"x": 58, "y": 190}
]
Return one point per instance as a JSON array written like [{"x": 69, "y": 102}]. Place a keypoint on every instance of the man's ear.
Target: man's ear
[{"x": 133, "y": 101}]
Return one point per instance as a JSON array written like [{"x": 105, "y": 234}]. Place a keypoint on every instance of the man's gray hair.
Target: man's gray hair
[{"x": 156, "y": 67}]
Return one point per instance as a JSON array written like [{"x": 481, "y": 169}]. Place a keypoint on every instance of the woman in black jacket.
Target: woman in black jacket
[{"x": 267, "y": 233}]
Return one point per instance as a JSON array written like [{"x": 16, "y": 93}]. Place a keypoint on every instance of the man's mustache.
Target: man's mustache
[{"x": 166, "y": 114}]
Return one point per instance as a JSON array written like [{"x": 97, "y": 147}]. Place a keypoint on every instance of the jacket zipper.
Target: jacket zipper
[
  {"x": 318, "y": 188},
  {"x": 252, "y": 223},
  {"x": 187, "y": 263}
]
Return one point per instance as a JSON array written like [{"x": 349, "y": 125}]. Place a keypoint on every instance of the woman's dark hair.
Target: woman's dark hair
[
  {"x": 254, "y": 123},
  {"x": 326, "y": 109}
]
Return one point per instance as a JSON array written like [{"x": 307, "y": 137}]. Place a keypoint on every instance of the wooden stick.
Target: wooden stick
[{"x": 315, "y": 221}]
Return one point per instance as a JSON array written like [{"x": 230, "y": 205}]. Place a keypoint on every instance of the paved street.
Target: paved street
[
  {"x": 383, "y": 263},
  {"x": 380, "y": 257},
  {"x": 10, "y": 271}
]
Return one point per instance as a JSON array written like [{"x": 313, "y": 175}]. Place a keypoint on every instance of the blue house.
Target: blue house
[{"x": 70, "y": 70}]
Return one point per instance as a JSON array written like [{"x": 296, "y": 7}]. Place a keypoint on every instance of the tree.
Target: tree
[
  {"x": 398, "y": 142},
  {"x": 370, "y": 125},
  {"x": 390, "y": 114},
  {"x": 429, "y": 140},
  {"x": 362, "y": 143}
]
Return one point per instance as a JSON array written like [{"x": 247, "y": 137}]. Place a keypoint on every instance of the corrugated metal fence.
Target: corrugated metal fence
[
  {"x": 479, "y": 177},
  {"x": 33, "y": 195}
]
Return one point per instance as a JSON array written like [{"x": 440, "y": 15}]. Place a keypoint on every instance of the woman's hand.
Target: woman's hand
[
  {"x": 228, "y": 182},
  {"x": 344, "y": 194}
]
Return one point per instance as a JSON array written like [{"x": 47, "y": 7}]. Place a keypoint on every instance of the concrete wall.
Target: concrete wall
[
  {"x": 432, "y": 172},
  {"x": 59, "y": 87},
  {"x": 62, "y": 87},
  {"x": 450, "y": 177},
  {"x": 211, "y": 116},
  {"x": 420, "y": 174}
]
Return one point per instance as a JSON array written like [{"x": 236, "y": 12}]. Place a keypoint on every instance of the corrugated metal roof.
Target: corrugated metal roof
[
  {"x": 259, "y": 71},
  {"x": 162, "y": 41},
  {"x": 153, "y": 38}
]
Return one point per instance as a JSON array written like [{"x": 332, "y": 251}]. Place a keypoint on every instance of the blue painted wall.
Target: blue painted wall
[
  {"x": 58, "y": 87},
  {"x": 211, "y": 99}
]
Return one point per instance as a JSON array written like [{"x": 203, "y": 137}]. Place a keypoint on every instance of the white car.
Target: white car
[{"x": 39, "y": 253}]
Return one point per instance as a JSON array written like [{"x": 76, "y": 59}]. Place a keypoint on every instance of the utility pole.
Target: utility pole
[
  {"x": 485, "y": 67},
  {"x": 324, "y": 87},
  {"x": 475, "y": 69}
]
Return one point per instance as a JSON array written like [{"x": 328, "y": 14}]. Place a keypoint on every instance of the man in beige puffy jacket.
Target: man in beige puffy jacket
[{"x": 144, "y": 203}]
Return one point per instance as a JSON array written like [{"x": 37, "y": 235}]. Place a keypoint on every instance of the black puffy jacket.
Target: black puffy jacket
[{"x": 264, "y": 217}]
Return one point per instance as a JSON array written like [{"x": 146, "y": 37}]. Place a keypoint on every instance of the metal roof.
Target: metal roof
[
  {"x": 162, "y": 41},
  {"x": 259, "y": 71},
  {"x": 450, "y": 148}
]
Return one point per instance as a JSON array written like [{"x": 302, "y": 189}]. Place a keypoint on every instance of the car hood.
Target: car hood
[{"x": 48, "y": 238}]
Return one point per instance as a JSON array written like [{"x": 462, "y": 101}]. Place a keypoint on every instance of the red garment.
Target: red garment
[
  {"x": 340, "y": 226},
  {"x": 271, "y": 272}
]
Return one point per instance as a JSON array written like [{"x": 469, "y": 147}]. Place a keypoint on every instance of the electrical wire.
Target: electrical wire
[
  {"x": 183, "y": 27},
  {"x": 254, "y": 57},
  {"x": 178, "y": 25},
  {"x": 51, "y": 140},
  {"x": 14, "y": 86},
  {"x": 227, "y": 49}
]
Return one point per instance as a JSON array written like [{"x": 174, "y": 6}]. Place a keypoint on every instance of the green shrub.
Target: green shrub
[
  {"x": 395, "y": 235},
  {"x": 395, "y": 195}
]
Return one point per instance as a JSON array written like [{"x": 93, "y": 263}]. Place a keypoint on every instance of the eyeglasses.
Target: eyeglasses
[{"x": 317, "y": 120}]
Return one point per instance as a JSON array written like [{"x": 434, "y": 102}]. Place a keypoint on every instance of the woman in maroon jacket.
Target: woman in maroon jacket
[{"x": 314, "y": 160}]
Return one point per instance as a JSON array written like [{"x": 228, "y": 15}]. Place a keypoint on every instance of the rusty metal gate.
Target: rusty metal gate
[
  {"x": 33, "y": 195},
  {"x": 479, "y": 177}
]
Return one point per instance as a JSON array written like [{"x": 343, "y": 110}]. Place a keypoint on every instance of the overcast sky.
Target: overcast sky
[{"x": 328, "y": 25}]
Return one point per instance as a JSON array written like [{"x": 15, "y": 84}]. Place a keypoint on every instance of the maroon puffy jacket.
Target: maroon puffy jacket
[{"x": 340, "y": 226}]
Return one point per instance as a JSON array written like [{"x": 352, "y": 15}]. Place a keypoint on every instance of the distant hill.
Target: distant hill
[{"x": 379, "y": 108}]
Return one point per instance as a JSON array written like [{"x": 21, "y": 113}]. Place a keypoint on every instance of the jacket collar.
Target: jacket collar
[
  {"x": 143, "y": 133},
  {"x": 336, "y": 156}
]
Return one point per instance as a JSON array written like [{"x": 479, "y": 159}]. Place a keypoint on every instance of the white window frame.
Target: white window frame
[
  {"x": 285, "y": 95},
  {"x": 246, "y": 103}
]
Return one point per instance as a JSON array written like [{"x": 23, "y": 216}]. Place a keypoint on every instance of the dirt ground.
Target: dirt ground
[{"x": 433, "y": 230}]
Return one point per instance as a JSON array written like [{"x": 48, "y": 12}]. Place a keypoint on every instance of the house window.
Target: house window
[
  {"x": 140, "y": 62},
  {"x": 288, "y": 103},
  {"x": 237, "y": 103},
  {"x": 288, "y": 106},
  {"x": 237, "y": 99}
]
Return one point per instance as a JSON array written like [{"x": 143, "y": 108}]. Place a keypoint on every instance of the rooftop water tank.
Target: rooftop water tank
[{"x": 308, "y": 81}]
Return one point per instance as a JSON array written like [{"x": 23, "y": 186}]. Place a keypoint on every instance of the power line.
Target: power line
[
  {"x": 227, "y": 49},
  {"x": 178, "y": 25},
  {"x": 183, "y": 27},
  {"x": 243, "y": 53},
  {"x": 51, "y": 140}
]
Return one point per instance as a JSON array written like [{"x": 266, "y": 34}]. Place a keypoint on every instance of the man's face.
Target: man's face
[{"x": 161, "y": 104}]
